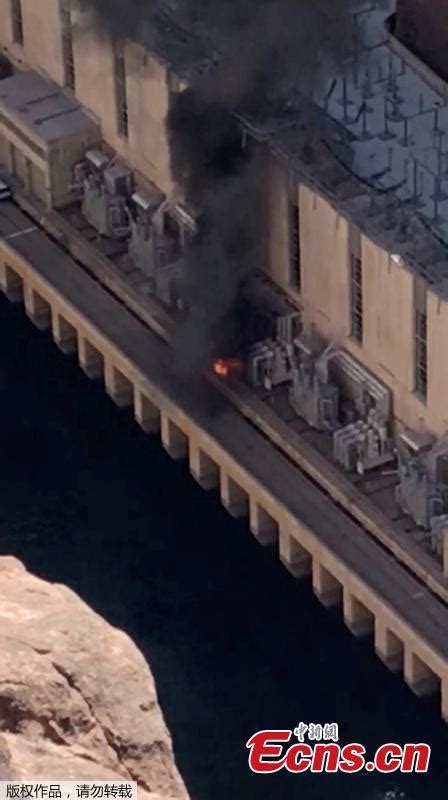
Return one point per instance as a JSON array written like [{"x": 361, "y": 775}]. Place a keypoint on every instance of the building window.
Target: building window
[
  {"x": 67, "y": 45},
  {"x": 420, "y": 338},
  {"x": 17, "y": 21},
  {"x": 120, "y": 93},
  {"x": 421, "y": 353},
  {"x": 356, "y": 300},
  {"x": 295, "y": 277}
]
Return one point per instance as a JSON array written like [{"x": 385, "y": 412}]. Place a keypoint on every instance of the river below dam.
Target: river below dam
[{"x": 235, "y": 644}]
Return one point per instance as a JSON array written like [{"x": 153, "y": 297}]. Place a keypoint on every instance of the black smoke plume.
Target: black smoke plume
[{"x": 266, "y": 50}]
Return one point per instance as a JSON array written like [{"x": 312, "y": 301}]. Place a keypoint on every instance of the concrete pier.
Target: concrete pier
[
  {"x": 357, "y": 616},
  {"x": 388, "y": 647},
  {"x": 174, "y": 440},
  {"x": 262, "y": 525},
  {"x": 293, "y": 556},
  {"x": 418, "y": 676},
  {"x": 325, "y": 586},
  {"x": 118, "y": 387},
  {"x": 255, "y": 479},
  {"x": 64, "y": 334},
  {"x": 90, "y": 359},
  {"x": 12, "y": 284},
  {"x": 233, "y": 497},
  {"x": 37, "y": 309},
  {"x": 202, "y": 468},
  {"x": 146, "y": 413}
]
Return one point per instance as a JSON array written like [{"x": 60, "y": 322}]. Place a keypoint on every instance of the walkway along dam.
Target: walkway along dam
[{"x": 314, "y": 536}]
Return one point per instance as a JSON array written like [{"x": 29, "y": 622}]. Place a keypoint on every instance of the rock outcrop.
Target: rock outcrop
[{"x": 77, "y": 700}]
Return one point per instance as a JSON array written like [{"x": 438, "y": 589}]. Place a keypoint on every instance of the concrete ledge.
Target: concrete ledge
[
  {"x": 325, "y": 586},
  {"x": 233, "y": 497},
  {"x": 393, "y": 663},
  {"x": 37, "y": 309},
  {"x": 146, "y": 413},
  {"x": 174, "y": 441},
  {"x": 311, "y": 526},
  {"x": 203, "y": 469},
  {"x": 12, "y": 284},
  {"x": 64, "y": 334},
  {"x": 262, "y": 525},
  {"x": 333, "y": 482},
  {"x": 118, "y": 387},
  {"x": 293, "y": 556},
  {"x": 357, "y": 617},
  {"x": 281, "y": 435},
  {"x": 100, "y": 267},
  {"x": 40, "y": 321},
  {"x": 388, "y": 647},
  {"x": 419, "y": 677},
  {"x": 90, "y": 359}
]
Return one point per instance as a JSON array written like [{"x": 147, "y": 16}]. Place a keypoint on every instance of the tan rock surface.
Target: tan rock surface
[{"x": 77, "y": 699}]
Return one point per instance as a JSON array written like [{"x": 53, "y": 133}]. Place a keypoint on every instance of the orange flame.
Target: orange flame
[{"x": 227, "y": 366}]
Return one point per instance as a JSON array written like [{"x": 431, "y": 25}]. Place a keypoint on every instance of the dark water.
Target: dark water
[{"x": 236, "y": 645}]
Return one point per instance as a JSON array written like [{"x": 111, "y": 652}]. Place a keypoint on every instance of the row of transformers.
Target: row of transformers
[
  {"x": 326, "y": 386},
  {"x": 155, "y": 230},
  {"x": 334, "y": 393}
]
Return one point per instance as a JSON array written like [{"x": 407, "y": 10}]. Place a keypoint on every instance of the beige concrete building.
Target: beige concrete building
[
  {"x": 358, "y": 245},
  {"x": 350, "y": 281}
]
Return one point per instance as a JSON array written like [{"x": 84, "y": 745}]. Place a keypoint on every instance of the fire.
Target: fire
[{"x": 228, "y": 366}]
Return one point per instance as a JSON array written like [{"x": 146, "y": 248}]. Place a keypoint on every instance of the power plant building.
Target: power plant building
[{"x": 358, "y": 213}]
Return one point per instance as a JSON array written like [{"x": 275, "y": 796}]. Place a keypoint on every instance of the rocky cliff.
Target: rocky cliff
[{"x": 77, "y": 700}]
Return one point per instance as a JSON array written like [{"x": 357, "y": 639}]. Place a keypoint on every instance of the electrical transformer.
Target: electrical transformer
[
  {"x": 364, "y": 439},
  {"x": 364, "y": 444},
  {"x": 160, "y": 231},
  {"x": 313, "y": 398},
  {"x": 145, "y": 241},
  {"x": 422, "y": 492},
  {"x": 271, "y": 361},
  {"x": 105, "y": 188},
  {"x": 269, "y": 365},
  {"x": 439, "y": 530},
  {"x": 331, "y": 391}
]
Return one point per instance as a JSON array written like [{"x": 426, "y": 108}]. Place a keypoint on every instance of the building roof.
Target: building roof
[
  {"x": 41, "y": 107},
  {"x": 180, "y": 44},
  {"x": 399, "y": 129},
  {"x": 373, "y": 142}
]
